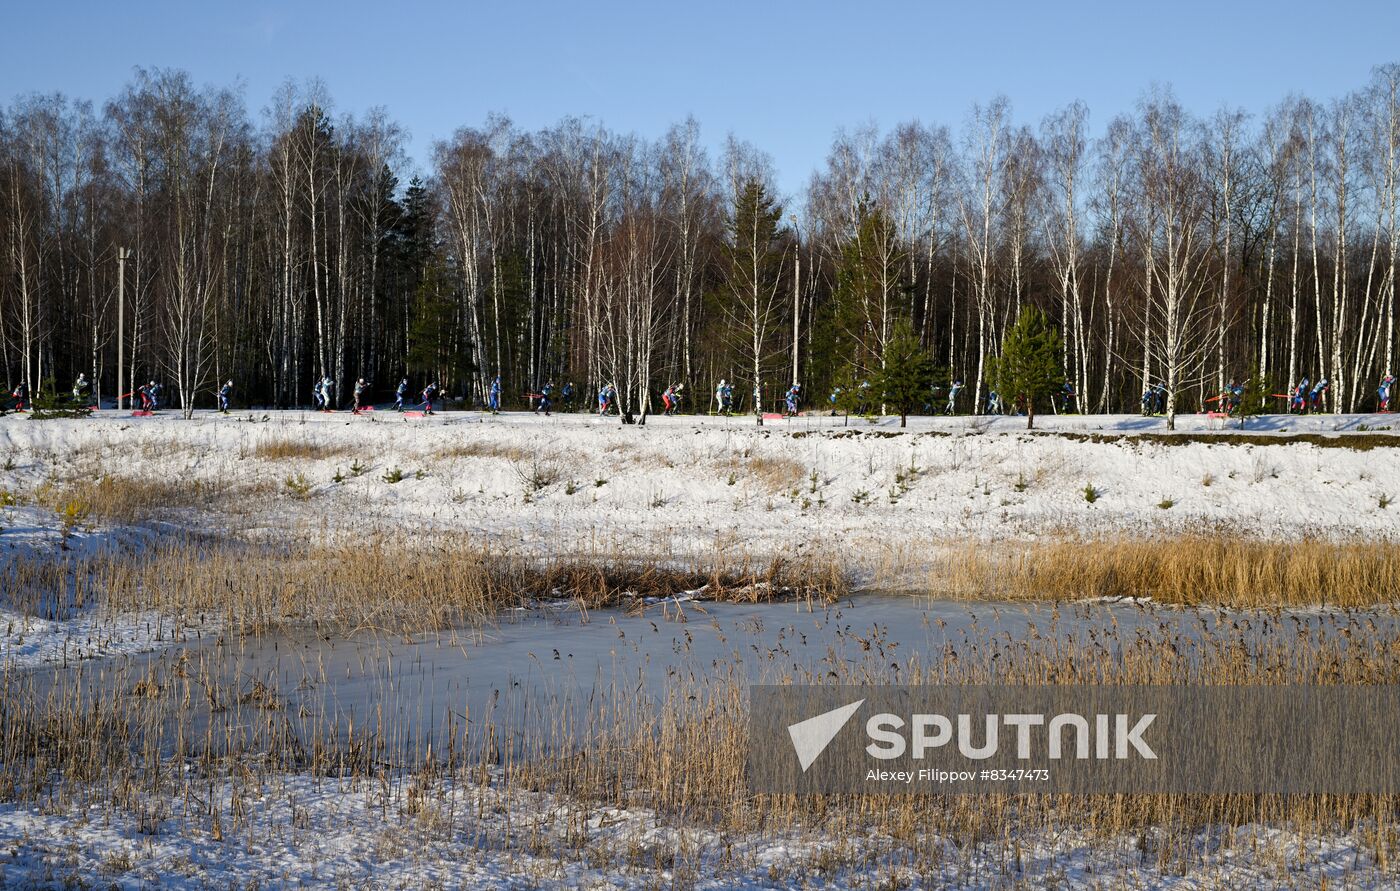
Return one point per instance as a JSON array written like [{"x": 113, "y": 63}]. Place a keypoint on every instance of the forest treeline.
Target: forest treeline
[{"x": 279, "y": 247}]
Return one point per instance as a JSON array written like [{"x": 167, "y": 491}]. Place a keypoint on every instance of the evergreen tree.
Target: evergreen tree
[
  {"x": 908, "y": 372},
  {"x": 433, "y": 350},
  {"x": 1254, "y": 400},
  {"x": 1029, "y": 366},
  {"x": 850, "y": 395}
]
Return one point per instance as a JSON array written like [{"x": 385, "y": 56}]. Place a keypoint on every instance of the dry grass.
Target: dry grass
[
  {"x": 776, "y": 473},
  {"x": 124, "y": 500},
  {"x": 481, "y": 448},
  {"x": 1197, "y": 569},
  {"x": 402, "y": 586},
  {"x": 284, "y": 448},
  {"x": 130, "y": 737}
]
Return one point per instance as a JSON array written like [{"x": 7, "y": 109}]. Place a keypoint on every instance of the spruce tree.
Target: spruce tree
[
  {"x": 908, "y": 372},
  {"x": 1029, "y": 367}
]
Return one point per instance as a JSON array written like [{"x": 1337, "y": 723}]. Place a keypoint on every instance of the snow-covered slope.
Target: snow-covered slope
[{"x": 687, "y": 485}]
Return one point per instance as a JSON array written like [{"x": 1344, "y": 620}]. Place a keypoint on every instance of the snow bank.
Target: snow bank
[{"x": 300, "y": 831}]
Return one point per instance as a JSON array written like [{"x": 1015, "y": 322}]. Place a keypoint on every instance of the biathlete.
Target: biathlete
[
  {"x": 792, "y": 398},
  {"x": 607, "y": 395},
  {"x": 671, "y": 398},
  {"x": 20, "y": 397},
  {"x": 1315, "y": 397},
  {"x": 546, "y": 392},
  {"x": 724, "y": 395},
  {"x": 953, "y": 392}
]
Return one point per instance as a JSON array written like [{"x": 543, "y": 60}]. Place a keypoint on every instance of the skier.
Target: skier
[
  {"x": 80, "y": 388},
  {"x": 493, "y": 396},
  {"x": 1231, "y": 399},
  {"x": 1154, "y": 400},
  {"x": 1315, "y": 397},
  {"x": 671, "y": 398},
  {"x": 933, "y": 392},
  {"x": 144, "y": 392},
  {"x": 361, "y": 387},
  {"x": 327, "y": 394},
  {"x": 20, "y": 397},
  {"x": 953, "y": 392},
  {"x": 722, "y": 396},
  {"x": 155, "y": 391},
  {"x": 1299, "y": 402},
  {"x": 994, "y": 406},
  {"x": 545, "y": 392},
  {"x": 1383, "y": 392},
  {"x": 400, "y": 394},
  {"x": 793, "y": 397},
  {"x": 568, "y": 394},
  {"x": 1068, "y": 395},
  {"x": 225, "y": 394},
  {"x": 606, "y": 396},
  {"x": 429, "y": 394}
]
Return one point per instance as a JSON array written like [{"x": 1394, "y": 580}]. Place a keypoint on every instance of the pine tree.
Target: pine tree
[
  {"x": 908, "y": 373},
  {"x": 850, "y": 396},
  {"x": 1253, "y": 401},
  {"x": 1029, "y": 366}
]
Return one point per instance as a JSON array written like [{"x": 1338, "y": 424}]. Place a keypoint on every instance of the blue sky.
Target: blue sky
[{"x": 782, "y": 75}]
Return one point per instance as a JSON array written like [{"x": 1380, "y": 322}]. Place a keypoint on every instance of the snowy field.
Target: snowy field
[{"x": 689, "y": 485}]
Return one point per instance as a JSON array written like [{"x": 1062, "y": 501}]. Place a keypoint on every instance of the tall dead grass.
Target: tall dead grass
[
  {"x": 1191, "y": 570},
  {"x": 776, "y": 473},
  {"x": 143, "y": 736},
  {"x": 285, "y": 448},
  {"x": 481, "y": 448},
  {"x": 398, "y": 585},
  {"x": 125, "y": 500}
]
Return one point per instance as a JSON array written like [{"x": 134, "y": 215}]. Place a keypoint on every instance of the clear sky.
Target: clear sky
[{"x": 782, "y": 75}]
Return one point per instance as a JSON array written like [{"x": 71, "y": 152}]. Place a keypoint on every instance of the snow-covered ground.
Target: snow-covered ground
[
  {"x": 693, "y": 485},
  {"x": 861, "y": 494},
  {"x": 27, "y": 641},
  {"x": 301, "y": 831}
]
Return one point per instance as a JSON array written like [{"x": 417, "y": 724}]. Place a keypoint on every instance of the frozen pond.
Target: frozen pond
[{"x": 558, "y": 672}]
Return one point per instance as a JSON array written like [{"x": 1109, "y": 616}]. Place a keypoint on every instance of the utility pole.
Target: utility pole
[
  {"x": 122, "y": 255},
  {"x": 796, "y": 293}
]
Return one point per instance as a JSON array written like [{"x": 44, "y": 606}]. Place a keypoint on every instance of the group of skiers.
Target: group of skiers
[
  {"x": 1302, "y": 400},
  {"x": 1305, "y": 397}
]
